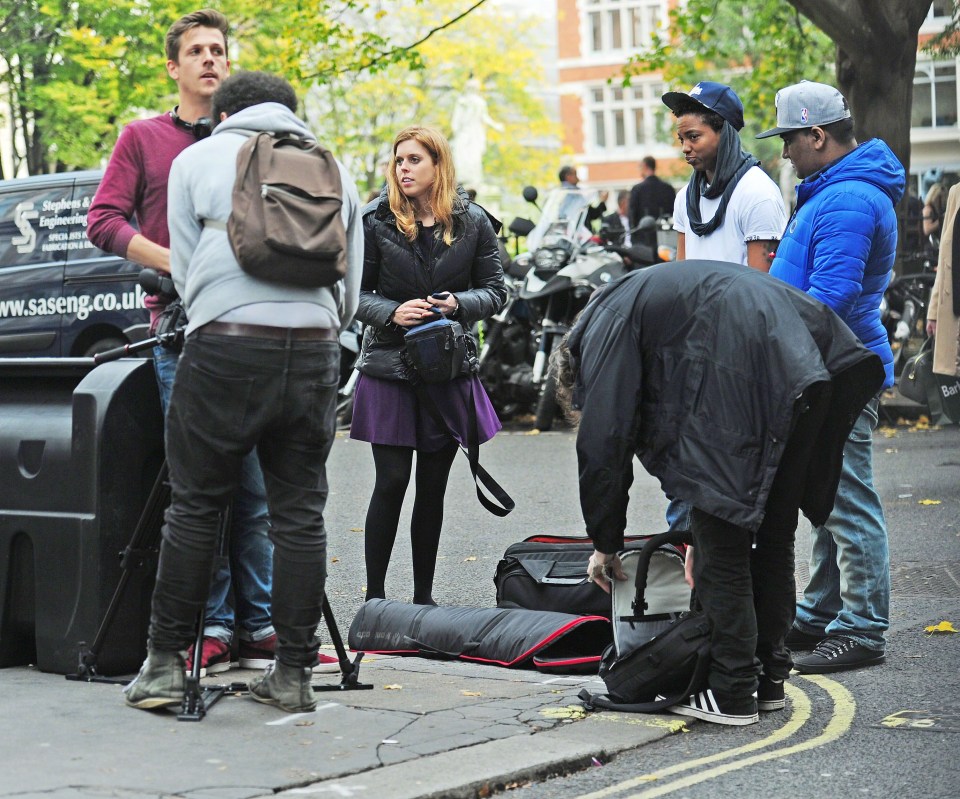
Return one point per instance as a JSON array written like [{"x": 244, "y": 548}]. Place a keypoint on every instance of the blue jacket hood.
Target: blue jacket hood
[{"x": 872, "y": 162}]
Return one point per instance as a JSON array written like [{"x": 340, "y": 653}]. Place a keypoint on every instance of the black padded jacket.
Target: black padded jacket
[
  {"x": 396, "y": 270},
  {"x": 696, "y": 367}
]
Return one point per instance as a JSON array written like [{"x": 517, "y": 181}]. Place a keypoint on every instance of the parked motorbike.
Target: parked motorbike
[
  {"x": 350, "y": 341},
  {"x": 903, "y": 308},
  {"x": 567, "y": 264}
]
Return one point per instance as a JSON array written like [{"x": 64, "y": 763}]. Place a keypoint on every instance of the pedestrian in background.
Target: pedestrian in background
[
  {"x": 943, "y": 315},
  {"x": 426, "y": 246},
  {"x": 747, "y": 454},
  {"x": 134, "y": 187},
  {"x": 839, "y": 247},
  {"x": 617, "y": 223},
  {"x": 650, "y": 197},
  {"x": 258, "y": 373}
]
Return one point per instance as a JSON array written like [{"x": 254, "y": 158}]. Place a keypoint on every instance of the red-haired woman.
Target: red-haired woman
[{"x": 422, "y": 238}]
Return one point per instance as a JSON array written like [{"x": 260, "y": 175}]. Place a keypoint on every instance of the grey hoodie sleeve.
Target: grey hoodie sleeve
[{"x": 353, "y": 224}]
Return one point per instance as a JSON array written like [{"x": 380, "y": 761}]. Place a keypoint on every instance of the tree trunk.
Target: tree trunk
[{"x": 876, "y": 61}]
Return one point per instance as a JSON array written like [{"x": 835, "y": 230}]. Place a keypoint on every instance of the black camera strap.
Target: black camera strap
[{"x": 472, "y": 450}]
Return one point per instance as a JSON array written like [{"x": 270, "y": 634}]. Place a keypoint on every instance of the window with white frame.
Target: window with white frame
[
  {"x": 934, "y": 95},
  {"x": 619, "y": 117},
  {"x": 612, "y": 25},
  {"x": 940, "y": 9}
]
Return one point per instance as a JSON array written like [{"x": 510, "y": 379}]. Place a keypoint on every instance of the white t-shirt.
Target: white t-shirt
[{"x": 755, "y": 213}]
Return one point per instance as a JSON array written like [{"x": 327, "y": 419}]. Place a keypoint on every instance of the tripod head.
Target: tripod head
[{"x": 169, "y": 325}]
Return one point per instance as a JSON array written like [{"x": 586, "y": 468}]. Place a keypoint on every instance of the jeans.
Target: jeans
[
  {"x": 234, "y": 394},
  {"x": 247, "y": 561},
  {"x": 849, "y": 589},
  {"x": 678, "y": 514},
  {"x": 745, "y": 581}
]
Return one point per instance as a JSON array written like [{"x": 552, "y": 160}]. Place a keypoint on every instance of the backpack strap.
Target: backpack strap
[
  {"x": 698, "y": 678},
  {"x": 472, "y": 451}
]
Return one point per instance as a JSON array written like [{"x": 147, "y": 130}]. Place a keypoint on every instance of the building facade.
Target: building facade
[{"x": 610, "y": 128}]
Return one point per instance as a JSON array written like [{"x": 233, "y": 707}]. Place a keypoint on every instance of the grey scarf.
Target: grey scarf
[{"x": 732, "y": 164}]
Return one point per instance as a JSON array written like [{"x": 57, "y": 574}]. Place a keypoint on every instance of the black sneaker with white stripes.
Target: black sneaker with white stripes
[{"x": 705, "y": 707}]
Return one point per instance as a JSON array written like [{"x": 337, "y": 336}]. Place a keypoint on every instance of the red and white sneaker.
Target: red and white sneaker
[
  {"x": 214, "y": 657},
  {"x": 260, "y": 654}
]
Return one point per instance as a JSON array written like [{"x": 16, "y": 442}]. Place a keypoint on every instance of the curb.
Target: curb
[{"x": 484, "y": 769}]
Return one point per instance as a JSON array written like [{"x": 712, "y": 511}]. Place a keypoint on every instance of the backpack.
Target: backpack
[
  {"x": 285, "y": 225},
  {"x": 659, "y": 655}
]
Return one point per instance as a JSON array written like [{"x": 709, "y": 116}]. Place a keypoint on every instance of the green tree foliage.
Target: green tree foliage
[
  {"x": 360, "y": 114},
  {"x": 73, "y": 71},
  {"x": 755, "y": 46},
  {"x": 867, "y": 48}
]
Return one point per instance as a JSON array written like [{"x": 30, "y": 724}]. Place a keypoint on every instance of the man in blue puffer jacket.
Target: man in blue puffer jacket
[{"x": 839, "y": 247}]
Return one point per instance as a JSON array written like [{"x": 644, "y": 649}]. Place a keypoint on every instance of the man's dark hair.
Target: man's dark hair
[
  {"x": 840, "y": 131},
  {"x": 252, "y": 88},
  {"x": 684, "y": 106},
  {"x": 205, "y": 18},
  {"x": 566, "y": 170},
  {"x": 649, "y": 162}
]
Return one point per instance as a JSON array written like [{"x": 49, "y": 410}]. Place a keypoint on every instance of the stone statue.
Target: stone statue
[{"x": 470, "y": 121}]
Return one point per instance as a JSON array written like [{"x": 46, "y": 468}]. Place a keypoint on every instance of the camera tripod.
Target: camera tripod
[{"x": 142, "y": 552}]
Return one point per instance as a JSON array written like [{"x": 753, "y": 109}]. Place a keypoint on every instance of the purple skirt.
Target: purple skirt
[{"x": 389, "y": 412}]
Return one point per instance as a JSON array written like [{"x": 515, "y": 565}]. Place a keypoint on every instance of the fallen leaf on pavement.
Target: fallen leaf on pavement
[
  {"x": 393, "y": 687},
  {"x": 942, "y": 627},
  {"x": 928, "y": 502},
  {"x": 356, "y": 529},
  {"x": 470, "y": 693},
  {"x": 469, "y": 558}
]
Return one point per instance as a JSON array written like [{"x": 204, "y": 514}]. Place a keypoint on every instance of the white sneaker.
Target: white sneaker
[{"x": 704, "y": 706}]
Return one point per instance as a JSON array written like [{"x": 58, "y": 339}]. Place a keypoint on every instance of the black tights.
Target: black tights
[{"x": 393, "y": 466}]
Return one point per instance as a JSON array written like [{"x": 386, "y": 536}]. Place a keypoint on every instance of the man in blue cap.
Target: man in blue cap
[
  {"x": 730, "y": 210},
  {"x": 839, "y": 247}
]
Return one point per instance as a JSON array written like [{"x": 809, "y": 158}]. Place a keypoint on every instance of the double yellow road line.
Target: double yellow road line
[{"x": 844, "y": 708}]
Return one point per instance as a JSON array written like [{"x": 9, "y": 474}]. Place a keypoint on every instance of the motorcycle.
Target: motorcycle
[
  {"x": 567, "y": 264},
  {"x": 508, "y": 339},
  {"x": 903, "y": 308}
]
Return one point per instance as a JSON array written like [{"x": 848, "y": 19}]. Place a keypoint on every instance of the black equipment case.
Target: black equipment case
[
  {"x": 511, "y": 637},
  {"x": 549, "y": 572}
]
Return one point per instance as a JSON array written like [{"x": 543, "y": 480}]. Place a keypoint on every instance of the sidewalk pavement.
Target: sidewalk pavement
[{"x": 428, "y": 728}]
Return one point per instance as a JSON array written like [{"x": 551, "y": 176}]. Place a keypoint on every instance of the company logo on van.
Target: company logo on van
[
  {"x": 27, "y": 240},
  {"x": 51, "y": 217}
]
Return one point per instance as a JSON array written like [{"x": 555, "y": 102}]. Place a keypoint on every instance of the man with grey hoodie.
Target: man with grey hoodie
[{"x": 259, "y": 369}]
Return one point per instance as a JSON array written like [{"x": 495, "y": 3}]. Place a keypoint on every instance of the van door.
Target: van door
[
  {"x": 103, "y": 298},
  {"x": 33, "y": 255}
]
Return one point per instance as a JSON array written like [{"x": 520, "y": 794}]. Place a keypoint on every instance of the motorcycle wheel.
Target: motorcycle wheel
[{"x": 547, "y": 403}]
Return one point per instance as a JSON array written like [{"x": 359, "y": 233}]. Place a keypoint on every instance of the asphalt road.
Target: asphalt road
[{"x": 893, "y": 730}]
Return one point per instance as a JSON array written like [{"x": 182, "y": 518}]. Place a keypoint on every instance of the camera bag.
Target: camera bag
[
  {"x": 660, "y": 652},
  {"x": 549, "y": 572},
  {"x": 437, "y": 351}
]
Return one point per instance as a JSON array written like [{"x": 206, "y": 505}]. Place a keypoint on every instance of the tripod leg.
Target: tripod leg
[
  {"x": 350, "y": 670},
  {"x": 143, "y": 546},
  {"x": 197, "y": 700}
]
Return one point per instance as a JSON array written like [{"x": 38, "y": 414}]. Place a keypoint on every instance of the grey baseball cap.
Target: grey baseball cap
[{"x": 806, "y": 104}]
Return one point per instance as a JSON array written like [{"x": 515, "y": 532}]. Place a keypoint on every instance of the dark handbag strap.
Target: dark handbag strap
[
  {"x": 955, "y": 264},
  {"x": 472, "y": 451},
  {"x": 675, "y": 537}
]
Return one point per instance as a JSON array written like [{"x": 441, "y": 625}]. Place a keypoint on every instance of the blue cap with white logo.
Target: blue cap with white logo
[{"x": 715, "y": 97}]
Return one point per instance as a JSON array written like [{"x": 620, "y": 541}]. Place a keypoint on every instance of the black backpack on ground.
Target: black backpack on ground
[{"x": 653, "y": 653}]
